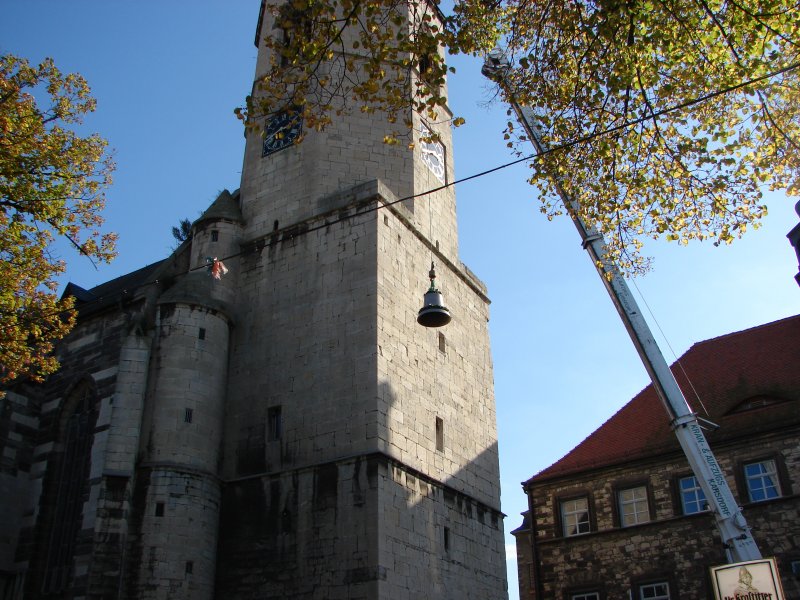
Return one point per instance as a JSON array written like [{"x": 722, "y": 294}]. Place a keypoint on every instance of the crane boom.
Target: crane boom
[{"x": 736, "y": 537}]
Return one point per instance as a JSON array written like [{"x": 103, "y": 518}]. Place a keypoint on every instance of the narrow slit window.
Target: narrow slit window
[
  {"x": 201, "y": 334},
  {"x": 159, "y": 509},
  {"x": 439, "y": 434},
  {"x": 187, "y": 415},
  {"x": 442, "y": 343},
  {"x": 424, "y": 64},
  {"x": 214, "y": 235},
  {"x": 275, "y": 424},
  {"x": 189, "y": 567},
  {"x": 446, "y": 539}
]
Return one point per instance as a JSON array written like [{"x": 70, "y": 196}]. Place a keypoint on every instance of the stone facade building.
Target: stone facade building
[
  {"x": 285, "y": 431},
  {"x": 622, "y": 513}
]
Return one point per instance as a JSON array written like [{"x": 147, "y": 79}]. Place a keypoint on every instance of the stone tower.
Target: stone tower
[
  {"x": 360, "y": 450},
  {"x": 286, "y": 431}
]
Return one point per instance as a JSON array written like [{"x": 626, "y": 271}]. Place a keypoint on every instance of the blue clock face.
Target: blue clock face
[{"x": 282, "y": 131}]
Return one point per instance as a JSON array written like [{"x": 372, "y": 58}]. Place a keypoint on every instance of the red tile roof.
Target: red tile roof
[{"x": 747, "y": 381}]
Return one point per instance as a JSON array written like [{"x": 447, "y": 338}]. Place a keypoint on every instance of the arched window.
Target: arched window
[{"x": 75, "y": 436}]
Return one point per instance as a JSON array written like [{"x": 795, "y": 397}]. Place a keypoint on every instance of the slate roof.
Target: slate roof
[
  {"x": 748, "y": 382},
  {"x": 105, "y": 294},
  {"x": 226, "y": 206}
]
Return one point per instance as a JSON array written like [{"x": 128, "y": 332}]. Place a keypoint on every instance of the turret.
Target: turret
[{"x": 179, "y": 490}]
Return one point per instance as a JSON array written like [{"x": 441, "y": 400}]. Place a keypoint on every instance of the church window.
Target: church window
[
  {"x": 762, "y": 480},
  {"x": 693, "y": 499},
  {"x": 633, "y": 506},
  {"x": 575, "y": 516},
  {"x": 274, "y": 424},
  {"x": 187, "y": 415},
  {"x": 440, "y": 434},
  {"x": 71, "y": 488},
  {"x": 442, "y": 343}
]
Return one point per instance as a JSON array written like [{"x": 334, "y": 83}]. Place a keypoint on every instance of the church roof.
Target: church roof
[
  {"x": 226, "y": 206},
  {"x": 105, "y": 294},
  {"x": 745, "y": 382}
]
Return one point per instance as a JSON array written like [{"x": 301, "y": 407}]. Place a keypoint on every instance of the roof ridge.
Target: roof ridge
[
  {"x": 727, "y": 375},
  {"x": 741, "y": 331}
]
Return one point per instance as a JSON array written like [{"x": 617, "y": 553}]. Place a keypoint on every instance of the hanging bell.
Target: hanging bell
[{"x": 433, "y": 312}]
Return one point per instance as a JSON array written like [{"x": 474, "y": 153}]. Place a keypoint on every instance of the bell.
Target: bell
[{"x": 433, "y": 312}]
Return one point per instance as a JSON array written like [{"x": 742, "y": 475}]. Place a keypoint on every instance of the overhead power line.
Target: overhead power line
[{"x": 551, "y": 149}]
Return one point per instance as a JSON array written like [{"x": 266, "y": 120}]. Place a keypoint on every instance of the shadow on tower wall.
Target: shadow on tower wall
[{"x": 366, "y": 526}]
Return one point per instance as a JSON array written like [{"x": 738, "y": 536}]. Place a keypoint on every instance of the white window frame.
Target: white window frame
[
  {"x": 575, "y": 518},
  {"x": 659, "y": 590},
  {"x": 585, "y": 596},
  {"x": 635, "y": 497},
  {"x": 692, "y": 495},
  {"x": 767, "y": 477}
]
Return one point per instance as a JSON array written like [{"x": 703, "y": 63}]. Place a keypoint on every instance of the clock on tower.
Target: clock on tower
[{"x": 282, "y": 131}]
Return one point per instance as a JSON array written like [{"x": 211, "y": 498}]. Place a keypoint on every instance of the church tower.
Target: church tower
[
  {"x": 360, "y": 448},
  {"x": 285, "y": 430}
]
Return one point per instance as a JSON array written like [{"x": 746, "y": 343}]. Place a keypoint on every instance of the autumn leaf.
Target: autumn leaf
[
  {"x": 51, "y": 185},
  {"x": 666, "y": 120}
]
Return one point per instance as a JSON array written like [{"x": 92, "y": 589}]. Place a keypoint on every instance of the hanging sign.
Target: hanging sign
[{"x": 751, "y": 580}]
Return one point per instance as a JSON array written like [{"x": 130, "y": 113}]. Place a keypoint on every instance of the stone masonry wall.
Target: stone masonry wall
[
  {"x": 435, "y": 373},
  {"x": 173, "y": 539},
  {"x": 90, "y": 354},
  {"x": 672, "y": 547},
  {"x": 436, "y": 542},
  {"x": 173, "y": 551},
  {"x": 294, "y": 184},
  {"x": 304, "y": 345},
  {"x": 19, "y": 420},
  {"x": 310, "y": 533}
]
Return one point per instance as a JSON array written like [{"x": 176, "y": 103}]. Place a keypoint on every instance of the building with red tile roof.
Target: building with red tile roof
[{"x": 621, "y": 513}]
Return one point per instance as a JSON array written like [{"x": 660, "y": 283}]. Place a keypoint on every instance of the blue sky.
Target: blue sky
[{"x": 167, "y": 76}]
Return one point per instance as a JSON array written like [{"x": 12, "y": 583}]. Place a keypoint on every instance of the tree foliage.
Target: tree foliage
[
  {"x": 51, "y": 186},
  {"x": 182, "y": 231},
  {"x": 333, "y": 57},
  {"x": 670, "y": 165},
  {"x": 667, "y": 118}
]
